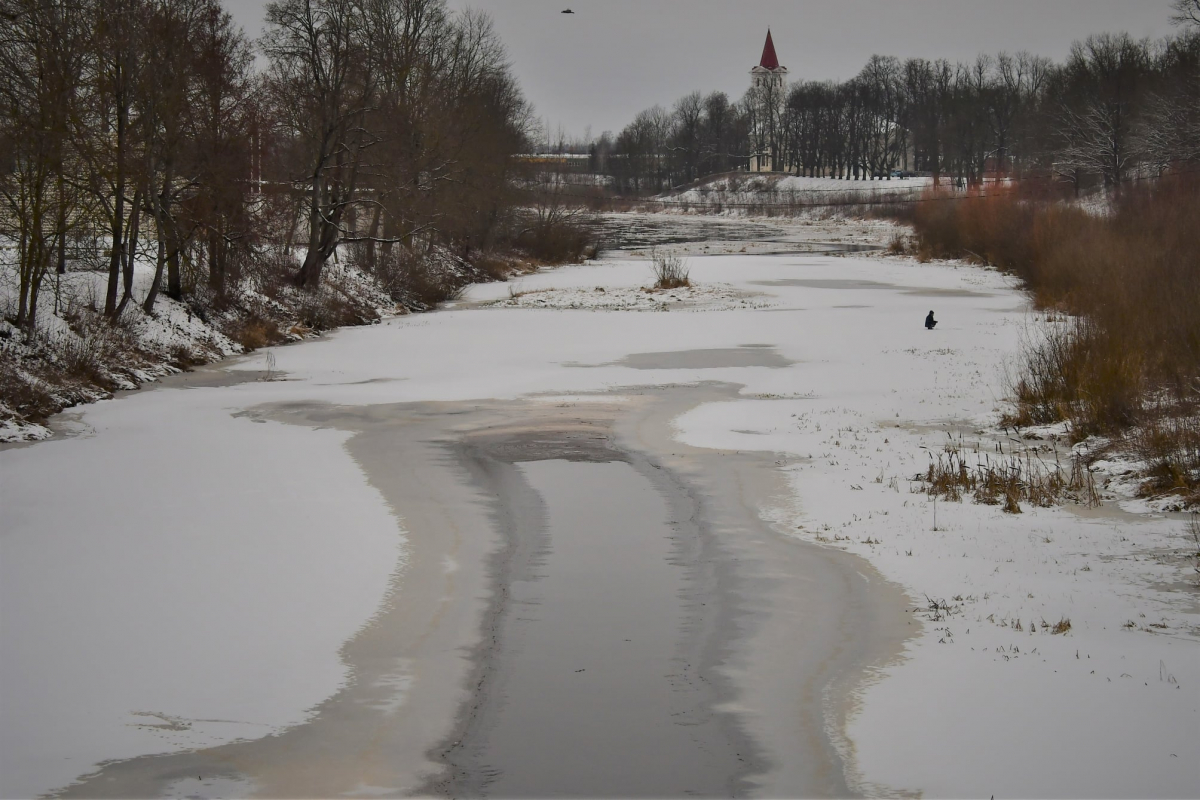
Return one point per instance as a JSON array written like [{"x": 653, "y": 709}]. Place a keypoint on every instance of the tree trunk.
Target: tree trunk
[
  {"x": 159, "y": 263},
  {"x": 290, "y": 240},
  {"x": 135, "y": 216},
  {"x": 389, "y": 236},
  {"x": 23, "y": 267},
  {"x": 118, "y": 215},
  {"x": 309, "y": 274},
  {"x": 161, "y": 222},
  {"x": 40, "y": 265},
  {"x": 174, "y": 277},
  {"x": 169, "y": 232},
  {"x": 62, "y": 228},
  {"x": 62, "y": 253},
  {"x": 114, "y": 261},
  {"x": 372, "y": 234},
  {"x": 216, "y": 262}
]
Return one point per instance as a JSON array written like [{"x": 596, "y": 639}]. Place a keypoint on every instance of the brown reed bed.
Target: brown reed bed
[
  {"x": 996, "y": 477},
  {"x": 1120, "y": 356}
]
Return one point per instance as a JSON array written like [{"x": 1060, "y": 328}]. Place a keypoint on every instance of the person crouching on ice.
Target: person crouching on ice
[{"x": 930, "y": 322}]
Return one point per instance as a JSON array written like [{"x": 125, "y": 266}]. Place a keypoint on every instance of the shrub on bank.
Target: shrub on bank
[
  {"x": 558, "y": 239},
  {"x": 1127, "y": 360}
]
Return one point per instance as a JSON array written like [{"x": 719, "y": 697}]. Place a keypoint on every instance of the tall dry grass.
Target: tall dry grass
[
  {"x": 1005, "y": 478},
  {"x": 670, "y": 270},
  {"x": 1126, "y": 361}
]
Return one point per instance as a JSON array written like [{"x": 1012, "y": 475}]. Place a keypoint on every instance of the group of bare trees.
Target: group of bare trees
[
  {"x": 144, "y": 126},
  {"x": 126, "y": 117},
  {"x": 398, "y": 120},
  {"x": 916, "y": 115},
  {"x": 700, "y": 135},
  {"x": 1116, "y": 107},
  {"x": 1119, "y": 106}
]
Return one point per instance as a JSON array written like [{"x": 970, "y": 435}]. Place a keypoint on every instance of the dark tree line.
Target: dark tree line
[
  {"x": 1115, "y": 108},
  {"x": 143, "y": 125},
  {"x": 126, "y": 120},
  {"x": 700, "y": 136},
  {"x": 398, "y": 120}
]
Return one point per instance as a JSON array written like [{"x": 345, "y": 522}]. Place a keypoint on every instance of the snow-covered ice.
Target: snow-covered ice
[{"x": 176, "y": 577}]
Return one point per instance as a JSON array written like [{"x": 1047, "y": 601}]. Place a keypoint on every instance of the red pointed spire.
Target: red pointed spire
[{"x": 769, "y": 59}]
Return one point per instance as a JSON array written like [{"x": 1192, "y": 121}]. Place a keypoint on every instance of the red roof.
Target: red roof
[{"x": 769, "y": 59}]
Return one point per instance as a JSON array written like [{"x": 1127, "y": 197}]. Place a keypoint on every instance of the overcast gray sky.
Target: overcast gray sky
[{"x": 598, "y": 67}]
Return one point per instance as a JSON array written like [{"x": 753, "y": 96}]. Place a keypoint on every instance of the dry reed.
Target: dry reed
[{"x": 1123, "y": 358}]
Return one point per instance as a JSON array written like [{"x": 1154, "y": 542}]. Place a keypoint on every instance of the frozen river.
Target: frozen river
[{"x": 576, "y": 548}]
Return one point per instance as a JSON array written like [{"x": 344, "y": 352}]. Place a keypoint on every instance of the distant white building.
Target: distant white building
[{"x": 768, "y": 82}]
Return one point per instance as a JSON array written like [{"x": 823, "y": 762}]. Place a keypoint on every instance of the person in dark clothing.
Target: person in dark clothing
[{"x": 930, "y": 321}]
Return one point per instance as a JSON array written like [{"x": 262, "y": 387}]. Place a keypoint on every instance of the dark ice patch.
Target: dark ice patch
[{"x": 717, "y": 358}]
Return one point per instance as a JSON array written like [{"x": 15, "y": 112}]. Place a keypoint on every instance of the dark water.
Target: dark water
[
  {"x": 634, "y": 231},
  {"x": 589, "y": 697}
]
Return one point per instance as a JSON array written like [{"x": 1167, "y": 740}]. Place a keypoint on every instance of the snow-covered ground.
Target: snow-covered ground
[
  {"x": 707, "y": 297},
  {"x": 78, "y": 356},
  {"x": 176, "y": 574},
  {"x": 173, "y": 330}
]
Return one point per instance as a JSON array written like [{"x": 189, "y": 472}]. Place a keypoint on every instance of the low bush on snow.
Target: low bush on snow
[
  {"x": 558, "y": 240},
  {"x": 670, "y": 271}
]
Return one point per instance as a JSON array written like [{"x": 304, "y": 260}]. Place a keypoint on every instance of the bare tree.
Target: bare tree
[
  {"x": 686, "y": 136},
  {"x": 1186, "y": 12},
  {"x": 1018, "y": 82},
  {"x": 1169, "y": 130},
  {"x": 882, "y": 104},
  {"x": 1104, "y": 88},
  {"x": 724, "y": 134},
  {"x": 323, "y": 83},
  {"x": 404, "y": 117},
  {"x": 105, "y": 129},
  {"x": 40, "y": 63},
  {"x": 226, "y": 125}
]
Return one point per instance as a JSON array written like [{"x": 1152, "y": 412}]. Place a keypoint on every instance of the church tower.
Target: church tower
[
  {"x": 767, "y": 82},
  {"x": 768, "y": 69}
]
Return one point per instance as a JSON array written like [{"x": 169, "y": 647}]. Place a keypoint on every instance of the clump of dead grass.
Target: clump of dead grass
[
  {"x": 256, "y": 332},
  {"x": 1167, "y": 441},
  {"x": 89, "y": 350},
  {"x": 670, "y": 270},
  {"x": 898, "y": 245},
  {"x": 1005, "y": 479},
  {"x": 22, "y": 392}
]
